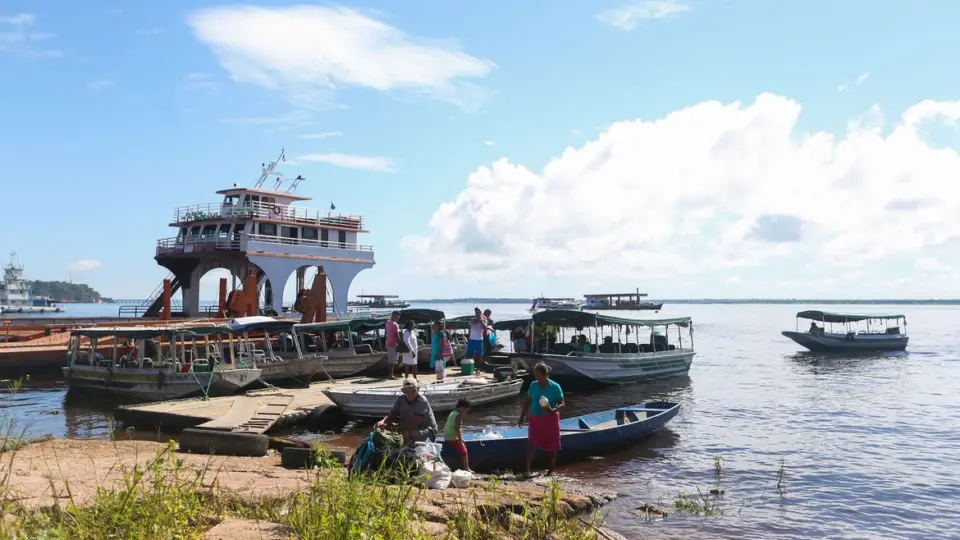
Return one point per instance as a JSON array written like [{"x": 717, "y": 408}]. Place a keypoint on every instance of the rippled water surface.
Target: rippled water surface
[{"x": 862, "y": 447}]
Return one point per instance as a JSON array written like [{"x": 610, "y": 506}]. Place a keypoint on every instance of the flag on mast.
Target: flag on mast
[{"x": 332, "y": 207}]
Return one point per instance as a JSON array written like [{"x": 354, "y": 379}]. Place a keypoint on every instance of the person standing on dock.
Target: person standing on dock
[
  {"x": 543, "y": 403},
  {"x": 410, "y": 357},
  {"x": 475, "y": 344},
  {"x": 393, "y": 336}
]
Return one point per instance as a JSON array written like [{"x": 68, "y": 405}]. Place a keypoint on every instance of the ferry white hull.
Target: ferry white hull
[
  {"x": 16, "y": 309},
  {"x": 830, "y": 342},
  {"x": 613, "y": 368},
  {"x": 153, "y": 385},
  {"x": 443, "y": 397}
]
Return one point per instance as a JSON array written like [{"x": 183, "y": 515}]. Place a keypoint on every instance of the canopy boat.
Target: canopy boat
[
  {"x": 153, "y": 363},
  {"x": 610, "y": 361},
  {"x": 554, "y": 303},
  {"x": 581, "y": 436},
  {"x": 842, "y": 332},
  {"x": 621, "y": 301},
  {"x": 339, "y": 345},
  {"x": 278, "y": 363},
  {"x": 442, "y": 396}
]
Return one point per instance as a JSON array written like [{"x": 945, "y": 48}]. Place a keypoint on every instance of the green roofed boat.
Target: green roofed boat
[
  {"x": 850, "y": 332},
  {"x": 602, "y": 348}
]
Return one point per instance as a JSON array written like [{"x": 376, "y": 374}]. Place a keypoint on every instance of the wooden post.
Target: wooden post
[
  {"x": 166, "y": 300},
  {"x": 222, "y": 304}
]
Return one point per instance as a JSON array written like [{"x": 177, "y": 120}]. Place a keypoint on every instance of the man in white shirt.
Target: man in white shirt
[{"x": 475, "y": 344}]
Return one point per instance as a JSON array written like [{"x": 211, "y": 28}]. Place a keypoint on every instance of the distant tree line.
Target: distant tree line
[{"x": 61, "y": 291}]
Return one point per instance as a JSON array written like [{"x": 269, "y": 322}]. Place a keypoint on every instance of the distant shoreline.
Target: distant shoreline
[{"x": 900, "y": 301}]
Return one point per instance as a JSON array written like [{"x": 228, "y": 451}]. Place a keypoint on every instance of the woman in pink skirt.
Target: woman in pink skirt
[{"x": 542, "y": 405}]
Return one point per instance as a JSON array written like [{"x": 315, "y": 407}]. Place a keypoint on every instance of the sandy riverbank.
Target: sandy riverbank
[{"x": 57, "y": 472}]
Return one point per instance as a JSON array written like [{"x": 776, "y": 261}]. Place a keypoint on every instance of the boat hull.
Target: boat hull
[
  {"x": 443, "y": 397},
  {"x": 644, "y": 306},
  {"x": 610, "y": 369},
  {"x": 17, "y": 309},
  {"x": 848, "y": 342},
  {"x": 582, "y": 436},
  {"x": 151, "y": 385},
  {"x": 336, "y": 366},
  {"x": 294, "y": 369}
]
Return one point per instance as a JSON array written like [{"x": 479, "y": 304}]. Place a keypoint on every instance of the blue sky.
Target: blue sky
[{"x": 115, "y": 113}]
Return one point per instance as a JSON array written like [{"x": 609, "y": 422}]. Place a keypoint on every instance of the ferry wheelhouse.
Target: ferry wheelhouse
[
  {"x": 846, "y": 332},
  {"x": 258, "y": 231}
]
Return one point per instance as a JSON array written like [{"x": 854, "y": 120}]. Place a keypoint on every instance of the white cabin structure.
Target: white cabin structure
[{"x": 259, "y": 229}]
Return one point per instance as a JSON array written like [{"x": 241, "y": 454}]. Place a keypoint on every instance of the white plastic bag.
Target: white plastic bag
[
  {"x": 544, "y": 402},
  {"x": 461, "y": 479},
  {"x": 434, "y": 473}
]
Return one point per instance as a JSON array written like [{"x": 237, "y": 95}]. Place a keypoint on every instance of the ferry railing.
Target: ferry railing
[
  {"x": 304, "y": 242},
  {"x": 276, "y": 212},
  {"x": 196, "y": 244},
  {"x": 175, "y": 309}
]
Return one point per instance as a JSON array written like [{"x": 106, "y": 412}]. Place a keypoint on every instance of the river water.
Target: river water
[{"x": 809, "y": 445}]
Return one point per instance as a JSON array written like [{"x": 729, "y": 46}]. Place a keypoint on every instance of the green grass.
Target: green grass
[{"x": 162, "y": 499}]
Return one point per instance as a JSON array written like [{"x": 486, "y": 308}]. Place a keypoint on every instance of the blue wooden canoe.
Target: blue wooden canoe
[{"x": 581, "y": 436}]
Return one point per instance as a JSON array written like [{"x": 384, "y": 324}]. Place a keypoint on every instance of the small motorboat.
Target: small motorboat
[
  {"x": 442, "y": 396},
  {"x": 580, "y": 436},
  {"x": 850, "y": 332}
]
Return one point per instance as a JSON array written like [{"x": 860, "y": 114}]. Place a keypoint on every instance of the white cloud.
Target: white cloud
[
  {"x": 929, "y": 264},
  {"x": 734, "y": 280},
  {"x": 17, "y": 37},
  {"x": 710, "y": 187},
  {"x": 859, "y": 80},
  {"x": 309, "y": 51},
  {"x": 488, "y": 143},
  {"x": 324, "y": 135},
  {"x": 101, "y": 84},
  {"x": 630, "y": 16},
  {"x": 84, "y": 264},
  {"x": 368, "y": 163}
]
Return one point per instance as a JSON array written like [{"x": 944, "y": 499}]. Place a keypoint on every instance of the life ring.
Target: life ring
[{"x": 276, "y": 210}]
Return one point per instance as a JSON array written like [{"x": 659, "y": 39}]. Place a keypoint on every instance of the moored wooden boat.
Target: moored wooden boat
[
  {"x": 152, "y": 364},
  {"x": 277, "y": 364},
  {"x": 581, "y": 436},
  {"x": 603, "y": 359},
  {"x": 442, "y": 396},
  {"x": 339, "y": 345},
  {"x": 841, "y": 332}
]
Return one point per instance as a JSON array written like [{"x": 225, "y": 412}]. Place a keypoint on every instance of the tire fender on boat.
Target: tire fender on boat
[
  {"x": 206, "y": 441},
  {"x": 109, "y": 378},
  {"x": 276, "y": 210},
  {"x": 161, "y": 378}
]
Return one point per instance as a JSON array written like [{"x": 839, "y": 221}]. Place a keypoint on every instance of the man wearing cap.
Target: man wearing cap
[{"x": 411, "y": 415}]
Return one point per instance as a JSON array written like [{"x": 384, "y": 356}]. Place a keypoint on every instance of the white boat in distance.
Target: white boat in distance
[
  {"x": 442, "y": 396},
  {"x": 542, "y": 303},
  {"x": 609, "y": 362},
  {"x": 842, "y": 332}
]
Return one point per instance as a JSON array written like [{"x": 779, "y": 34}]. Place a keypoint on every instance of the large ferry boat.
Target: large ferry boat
[{"x": 15, "y": 294}]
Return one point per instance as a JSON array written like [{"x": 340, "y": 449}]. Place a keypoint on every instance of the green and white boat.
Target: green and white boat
[{"x": 606, "y": 349}]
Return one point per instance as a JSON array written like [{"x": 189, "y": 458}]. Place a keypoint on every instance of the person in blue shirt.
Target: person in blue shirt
[{"x": 542, "y": 405}]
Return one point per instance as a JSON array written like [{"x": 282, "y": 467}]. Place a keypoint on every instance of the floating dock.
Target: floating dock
[{"x": 307, "y": 402}]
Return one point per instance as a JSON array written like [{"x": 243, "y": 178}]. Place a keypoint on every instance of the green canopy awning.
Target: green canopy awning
[
  {"x": 833, "y": 317},
  {"x": 511, "y": 324},
  {"x": 421, "y": 315},
  {"x": 133, "y": 332},
  {"x": 359, "y": 325},
  {"x": 571, "y": 318}
]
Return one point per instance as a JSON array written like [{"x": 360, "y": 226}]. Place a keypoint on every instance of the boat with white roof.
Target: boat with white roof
[{"x": 15, "y": 294}]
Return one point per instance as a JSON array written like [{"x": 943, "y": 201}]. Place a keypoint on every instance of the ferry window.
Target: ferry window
[
  {"x": 183, "y": 232},
  {"x": 268, "y": 229},
  {"x": 209, "y": 230},
  {"x": 343, "y": 237},
  {"x": 195, "y": 231},
  {"x": 225, "y": 230},
  {"x": 289, "y": 232},
  {"x": 309, "y": 233},
  {"x": 230, "y": 200},
  {"x": 324, "y": 235}
]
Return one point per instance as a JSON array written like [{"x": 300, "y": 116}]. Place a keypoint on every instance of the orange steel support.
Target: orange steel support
[
  {"x": 166, "y": 300},
  {"x": 315, "y": 302},
  {"x": 222, "y": 304}
]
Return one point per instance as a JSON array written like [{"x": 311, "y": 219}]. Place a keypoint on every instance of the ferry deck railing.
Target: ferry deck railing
[
  {"x": 277, "y": 212},
  {"x": 202, "y": 243}
]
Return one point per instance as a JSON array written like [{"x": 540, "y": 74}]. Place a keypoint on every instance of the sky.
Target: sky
[{"x": 720, "y": 149}]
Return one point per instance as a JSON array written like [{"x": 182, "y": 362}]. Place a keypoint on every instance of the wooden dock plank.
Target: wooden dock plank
[{"x": 194, "y": 411}]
